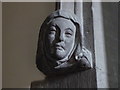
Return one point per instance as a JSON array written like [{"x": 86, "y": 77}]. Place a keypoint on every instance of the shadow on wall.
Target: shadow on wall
[
  {"x": 21, "y": 23},
  {"x": 110, "y": 17}
]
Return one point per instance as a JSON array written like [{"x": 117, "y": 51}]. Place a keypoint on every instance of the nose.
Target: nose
[{"x": 61, "y": 36}]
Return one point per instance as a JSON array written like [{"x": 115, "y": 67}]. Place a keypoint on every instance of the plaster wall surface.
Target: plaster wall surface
[{"x": 21, "y": 24}]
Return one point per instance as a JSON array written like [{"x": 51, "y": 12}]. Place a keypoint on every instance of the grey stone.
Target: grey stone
[{"x": 60, "y": 49}]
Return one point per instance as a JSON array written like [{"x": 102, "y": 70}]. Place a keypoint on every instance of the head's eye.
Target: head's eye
[
  {"x": 68, "y": 32},
  {"x": 52, "y": 30}
]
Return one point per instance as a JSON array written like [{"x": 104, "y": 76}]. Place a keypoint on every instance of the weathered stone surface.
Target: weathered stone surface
[{"x": 60, "y": 49}]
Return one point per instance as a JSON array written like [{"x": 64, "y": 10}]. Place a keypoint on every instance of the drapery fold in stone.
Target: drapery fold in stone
[{"x": 60, "y": 49}]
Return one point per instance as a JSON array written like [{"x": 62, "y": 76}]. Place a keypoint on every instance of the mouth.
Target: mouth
[{"x": 60, "y": 47}]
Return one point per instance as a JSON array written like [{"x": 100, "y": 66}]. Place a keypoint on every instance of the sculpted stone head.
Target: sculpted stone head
[
  {"x": 60, "y": 38},
  {"x": 59, "y": 45}
]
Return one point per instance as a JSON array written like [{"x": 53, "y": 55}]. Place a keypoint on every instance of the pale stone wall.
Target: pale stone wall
[
  {"x": 21, "y": 24},
  {"x": 106, "y": 43}
]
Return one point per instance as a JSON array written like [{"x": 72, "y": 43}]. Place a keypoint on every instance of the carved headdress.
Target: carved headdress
[{"x": 79, "y": 54}]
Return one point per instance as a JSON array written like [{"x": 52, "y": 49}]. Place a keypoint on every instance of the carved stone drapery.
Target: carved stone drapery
[
  {"x": 84, "y": 79},
  {"x": 60, "y": 48}
]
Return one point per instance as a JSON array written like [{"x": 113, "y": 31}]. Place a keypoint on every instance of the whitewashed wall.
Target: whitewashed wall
[{"x": 21, "y": 23}]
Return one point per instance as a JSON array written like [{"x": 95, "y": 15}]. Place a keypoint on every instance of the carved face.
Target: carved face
[{"x": 60, "y": 38}]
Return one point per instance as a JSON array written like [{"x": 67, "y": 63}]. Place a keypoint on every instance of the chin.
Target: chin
[{"x": 60, "y": 55}]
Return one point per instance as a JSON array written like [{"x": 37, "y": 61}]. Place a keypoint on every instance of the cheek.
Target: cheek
[
  {"x": 51, "y": 38},
  {"x": 69, "y": 43},
  {"x": 70, "y": 40}
]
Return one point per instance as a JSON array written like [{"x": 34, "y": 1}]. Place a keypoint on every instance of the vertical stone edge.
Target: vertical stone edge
[
  {"x": 0, "y": 45},
  {"x": 84, "y": 11},
  {"x": 99, "y": 43},
  {"x": 69, "y": 6}
]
